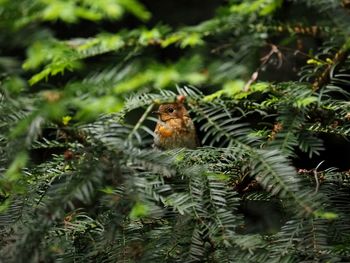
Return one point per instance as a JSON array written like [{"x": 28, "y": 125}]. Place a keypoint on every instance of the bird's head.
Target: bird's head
[{"x": 172, "y": 110}]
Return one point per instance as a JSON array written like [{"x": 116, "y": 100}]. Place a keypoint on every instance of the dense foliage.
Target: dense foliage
[{"x": 266, "y": 82}]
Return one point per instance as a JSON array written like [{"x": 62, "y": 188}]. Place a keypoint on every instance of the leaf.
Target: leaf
[
  {"x": 139, "y": 210},
  {"x": 325, "y": 215},
  {"x": 304, "y": 102}
]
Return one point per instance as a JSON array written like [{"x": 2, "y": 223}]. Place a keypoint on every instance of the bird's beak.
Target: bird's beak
[{"x": 156, "y": 112}]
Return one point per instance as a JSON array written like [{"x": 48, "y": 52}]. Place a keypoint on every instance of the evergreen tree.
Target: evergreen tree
[{"x": 266, "y": 83}]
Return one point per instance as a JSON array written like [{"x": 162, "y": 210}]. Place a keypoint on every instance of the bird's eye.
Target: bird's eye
[{"x": 170, "y": 110}]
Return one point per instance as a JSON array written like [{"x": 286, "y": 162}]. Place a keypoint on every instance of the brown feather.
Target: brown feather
[{"x": 175, "y": 128}]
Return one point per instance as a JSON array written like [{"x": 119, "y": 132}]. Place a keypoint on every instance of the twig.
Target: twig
[
  {"x": 141, "y": 120},
  {"x": 219, "y": 48},
  {"x": 274, "y": 50},
  {"x": 251, "y": 81},
  {"x": 295, "y": 51},
  {"x": 324, "y": 77},
  {"x": 316, "y": 177},
  {"x": 171, "y": 250}
]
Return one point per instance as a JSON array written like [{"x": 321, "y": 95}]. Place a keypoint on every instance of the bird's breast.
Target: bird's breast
[
  {"x": 164, "y": 131},
  {"x": 175, "y": 133}
]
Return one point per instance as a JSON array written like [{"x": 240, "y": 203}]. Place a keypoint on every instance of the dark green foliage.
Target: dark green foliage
[{"x": 267, "y": 85}]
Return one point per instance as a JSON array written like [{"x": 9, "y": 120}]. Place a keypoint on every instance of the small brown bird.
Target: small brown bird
[{"x": 175, "y": 128}]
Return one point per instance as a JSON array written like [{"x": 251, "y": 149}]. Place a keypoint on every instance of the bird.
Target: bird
[{"x": 175, "y": 128}]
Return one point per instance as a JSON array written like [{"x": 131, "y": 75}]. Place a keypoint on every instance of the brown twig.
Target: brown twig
[
  {"x": 316, "y": 177},
  {"x": 339, "y": 57},
  {"x": 264, "y": 60}
]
